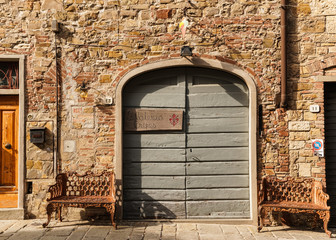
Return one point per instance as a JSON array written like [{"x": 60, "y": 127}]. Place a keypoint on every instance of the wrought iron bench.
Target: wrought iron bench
[
  {"x": 81, "y": 191},
  {"x": 293, "y": 196}
]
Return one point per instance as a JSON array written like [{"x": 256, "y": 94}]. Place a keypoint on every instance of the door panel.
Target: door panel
[
  {"x": 8, "y": 155},
  {"x": 154, "y": 162},
  {"x": 9, "y": 151},
  {"x": 217, "y": 146}
]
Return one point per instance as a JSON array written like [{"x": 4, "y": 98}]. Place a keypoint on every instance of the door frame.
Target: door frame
[
  {"x": 201, "y": 63},
  {"x": 21, "y": 133}
]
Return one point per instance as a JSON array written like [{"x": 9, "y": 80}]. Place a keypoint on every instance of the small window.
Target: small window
[{"x": 9, "y": 75}]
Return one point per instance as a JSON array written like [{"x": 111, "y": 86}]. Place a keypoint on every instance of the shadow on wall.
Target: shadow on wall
[{"x": 295, "y": 55}]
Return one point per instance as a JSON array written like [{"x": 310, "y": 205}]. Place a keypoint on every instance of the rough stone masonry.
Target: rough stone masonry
[{"x": 101, "y": 40}]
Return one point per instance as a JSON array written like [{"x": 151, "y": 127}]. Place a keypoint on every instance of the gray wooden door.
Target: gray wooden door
[
  {"x": 330, "y": 146},
  {"x": 201, "y": 171}
]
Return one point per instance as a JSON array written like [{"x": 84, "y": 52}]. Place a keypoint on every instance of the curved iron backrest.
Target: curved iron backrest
[
  {"x": 289, "y": 189},
  {"x": 90, "y": 184}
]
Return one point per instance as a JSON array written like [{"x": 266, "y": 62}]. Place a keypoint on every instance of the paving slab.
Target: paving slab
[
  {"x": 168, "y": 232},
  {"x": 262, "y": 235},
  {"x": 97, "y": 232},
  {"x": 123, "y": 233},
  {"x": 79, "y": 232},
  {"x": 186, "y": 231},
  {"x": 153, "y": 232},
  {"x": 60, "y": 230},
  {"x": 6, "y": 224},
  {"x": 52, "y": 238},
  {"x": 138, "y": 231},
  {"x": 231, "y": 233},
  {"x": 210, "y": 232},
  {"x": 281, "y": 232},
  {"x": 245, "y": 232},
  {"x": 15, "y": 228}
]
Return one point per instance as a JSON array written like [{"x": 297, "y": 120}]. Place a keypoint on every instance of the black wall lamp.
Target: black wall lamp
[{"x": 186, "y": 51}]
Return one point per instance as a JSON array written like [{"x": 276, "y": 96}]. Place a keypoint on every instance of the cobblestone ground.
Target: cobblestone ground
[{"x": 74, "y": 230}]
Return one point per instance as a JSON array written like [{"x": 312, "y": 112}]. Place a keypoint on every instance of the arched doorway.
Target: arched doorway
[{"x": 203, "y": 168}]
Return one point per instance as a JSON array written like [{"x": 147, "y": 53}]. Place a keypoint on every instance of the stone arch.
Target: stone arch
[{"x": 136, "y": 70}]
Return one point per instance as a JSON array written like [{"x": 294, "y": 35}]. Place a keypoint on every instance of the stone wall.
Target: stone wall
[{"x": 101, "y": 40}]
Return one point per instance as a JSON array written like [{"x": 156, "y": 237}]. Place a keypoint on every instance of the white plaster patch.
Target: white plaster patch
[{"x": 69, "y": 146}]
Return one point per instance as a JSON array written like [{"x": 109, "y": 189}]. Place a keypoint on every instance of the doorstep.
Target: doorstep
[{"x": 11, "y": 214}]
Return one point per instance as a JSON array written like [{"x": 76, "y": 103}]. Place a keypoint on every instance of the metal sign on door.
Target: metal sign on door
[{"x": 137, "y": 119}]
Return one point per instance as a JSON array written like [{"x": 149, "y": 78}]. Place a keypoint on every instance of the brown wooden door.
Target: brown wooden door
[{"x": 9, "y": 117}]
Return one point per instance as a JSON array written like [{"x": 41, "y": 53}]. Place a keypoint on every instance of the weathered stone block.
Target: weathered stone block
[
  {"x": 316, "y": 133},
  {"x": 115, "y": 54},
  {"x": 163, "y": 13},
  {"x": 105, "y": 78},
  {"x": 109, "y": 14},
  {"x": 323, "y": 7},
  {"x": 134, "y": 56},
  {"x": 128, "y": 13},
  {"x": 209, "y": 12},
  {"x": 52, "y": 5},
  {"x": 331, "y": 24},
  {"x": 34, "y": 25},
  {"x": 145, "y": 15},
  {"x": 157, "y": 48},
  {"x": 314, "y": 26},
  {"x": 296, "y": 145},
  {"x": 268, "y": 42},
  {"x": 303, "y": 9},
  {"x": 304, "y": 169},
  {"x": 77, "y": 41},
  {"x": 308, "y": 116},
  {"x": 299, "y": 136},
  {"x": 299, "y": 126},
  {"x": 71, "y": 8},
  {"x": 141, "y": 6},
  {"x": 237, "y": 9}
]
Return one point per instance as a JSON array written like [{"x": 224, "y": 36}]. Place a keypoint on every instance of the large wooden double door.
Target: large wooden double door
[
  {"x": 9, "y": 118},
  {"x": 200, "y": 171}
]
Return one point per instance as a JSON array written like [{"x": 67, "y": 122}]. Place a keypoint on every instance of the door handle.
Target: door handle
[{"x": 8, "y": 146}]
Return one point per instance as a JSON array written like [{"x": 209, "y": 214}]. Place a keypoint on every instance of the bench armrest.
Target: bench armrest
[
  {"x": 59, "y": 188},
  {"x": 320, "y": 197}
]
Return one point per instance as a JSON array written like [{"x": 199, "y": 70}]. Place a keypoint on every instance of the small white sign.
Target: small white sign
[
  {"x": 69, "y": 146},
  {"x": 314, "y": 108},
  {"x": 318, "y": 147}
]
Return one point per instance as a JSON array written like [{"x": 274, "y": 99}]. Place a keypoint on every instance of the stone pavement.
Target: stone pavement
[{"x": 74, "y": 230}]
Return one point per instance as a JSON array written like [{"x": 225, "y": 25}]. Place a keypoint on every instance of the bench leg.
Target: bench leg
[
  {"x": 325, "y": 216},
  {"x": 111, "y": 209},
  {"x": 260, "y": 218},
  {"x": 60, "y": 214},
  {"x": 50, "y": 209}
]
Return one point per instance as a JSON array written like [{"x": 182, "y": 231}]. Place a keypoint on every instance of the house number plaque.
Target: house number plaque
[{"x": 140, "y": 119}]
